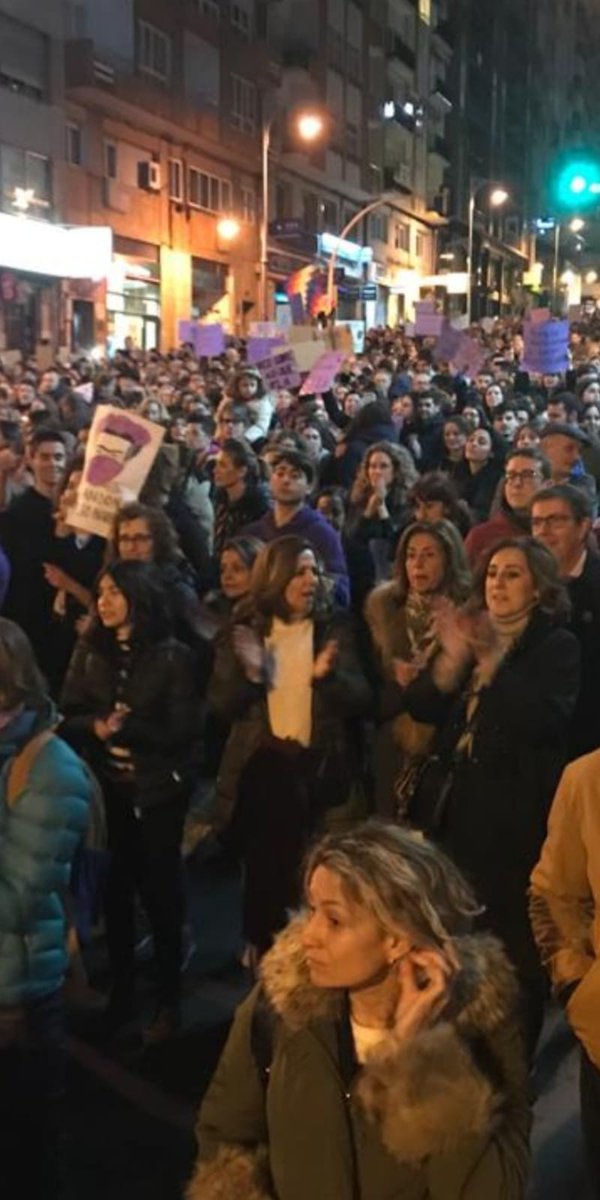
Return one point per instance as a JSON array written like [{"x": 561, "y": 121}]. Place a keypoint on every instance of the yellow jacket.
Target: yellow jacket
[{"x": 565, "y": 898}]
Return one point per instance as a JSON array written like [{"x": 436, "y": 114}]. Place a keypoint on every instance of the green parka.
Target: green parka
[{"x": 444, "y": 1117}]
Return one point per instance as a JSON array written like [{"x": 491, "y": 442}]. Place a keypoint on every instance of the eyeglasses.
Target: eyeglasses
[
  {"x": 134, "y": 539},
  {"x": 552, "y": 521},
  {"x": 521, "y": 476}
]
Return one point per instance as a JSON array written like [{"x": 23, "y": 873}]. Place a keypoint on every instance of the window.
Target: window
[
  {"x": 402, "y": 236},
  {"x": 240, "y": 19},
  {"x": 153, "y": 52},
  {"x": 419, "y": 245},
  {"x": 329, "y": 216},
  {"x": 110, "y": 160},
  {"x": 26, "y": 177},
  {"x": 23, "y": 59},
  {"x": 248, "y": 205},
  {"x": 73, "y": 152},
  {"x": 311, "y": 211},
  {"x": 352, "y": 139},
  {"x": 175, "y": 179},
  {"x": 378, "y": 227},
  {"x": 283, "y": 201},
  {"x": 335, "y": 49},
  {"x": 208, "y": 192},
  {"x": 243, "y": 104}
]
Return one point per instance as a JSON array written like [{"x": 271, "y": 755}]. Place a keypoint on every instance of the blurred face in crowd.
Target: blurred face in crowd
[
  {"x": 527, "y": 438},
  {"x": 429, "y": 511},
  {"x": 591, "y": 392},
  {"x": 556, "y": 411},
  {"x": 472, "y": 416},
  {"x": 48, "y": 462},
  {"x": 351, "y": 404},
  {"x": 228, "y": 426},
  {"x": 428, "y": 408},
  {"x": 380, "y": 471},
  {"x": 494, "y": 396},
  {"x": 344, "y": 944},
  {"x": 522, "y": 479},
  {"x": 563, "y": 452},
  {"x": 227, "y": 475},
  {"x": 235, "y": 575},
  {"x": 479, "y": 447},
  {"x": 506, "y": 425},
  {"x": 313, "y": 442},
  {"x": 483, "y": 381},
  {"x": 177, "y": 429},
  {"x": 112, "y": 606},
  {"x": 421, "y": 381},
  {"x": 553, "y": 523},
  {"x": 550, "y": 381},
  {"x": 301, "y": 590},
  {"x": 49, "y": 382},
  {"x": 134, "y": 541},
  {"x": 425, "y": 564},
  {"x": 248, "y": 387},
  {"x": 509, "y": 585},
  {"x": 523, "y": 416},
  {"x": 382, "y": 381},
  {"x": 154, "y": 411},
  {"x": 333, "y": 510},
  {"x": 289, "y": 485},
  {"x": 397, "y": 413},
  {"x": 454, "y": 441},
  {"x": 24, "y": 395},
  {"x": 197, "y": 438},
  {"x": 591, "y": 420}
]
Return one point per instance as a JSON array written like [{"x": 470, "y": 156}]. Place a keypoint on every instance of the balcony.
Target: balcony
[{"x": 397, "y": 48}]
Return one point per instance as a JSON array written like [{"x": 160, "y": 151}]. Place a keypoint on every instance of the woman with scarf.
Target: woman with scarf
[
  {"x": 500, "y": 691},
  {"x": 430, "y": 562}
]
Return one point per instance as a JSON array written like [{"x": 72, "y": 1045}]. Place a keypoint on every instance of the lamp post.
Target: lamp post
[
  {"x": 386, "y": 198},
  {"x": 498, "y": 196},
  {"x": 309, "y": 126}
]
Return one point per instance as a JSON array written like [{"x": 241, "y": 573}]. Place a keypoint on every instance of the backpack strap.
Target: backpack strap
[{"x": 20, "y": 766}]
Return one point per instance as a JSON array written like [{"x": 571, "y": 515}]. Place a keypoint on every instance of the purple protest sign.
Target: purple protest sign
[
  {"x": 447, "y": 344},
  {"x": 261, "y": 347},
  {"x": 209, "y": 340},
  {"x": 546, "y": 347},
  {"x": 186, "y": 332},
  {"x": 429, "y": 324},
  {"x": 539, "y": 316},
  {"x": 469, "y": 356},
  {"x": 279, "y": 371},
  {"x": 323, "y": 373}
]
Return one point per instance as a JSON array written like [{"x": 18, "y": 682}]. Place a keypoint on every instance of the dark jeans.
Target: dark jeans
[
  {"x": 145, "y": 858},
  {"x": 589, "y": 1090},
  {"x": 32, "y": 1083}
]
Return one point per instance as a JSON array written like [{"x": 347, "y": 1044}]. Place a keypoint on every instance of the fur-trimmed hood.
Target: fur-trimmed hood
[{"x": 384, "y": 614}]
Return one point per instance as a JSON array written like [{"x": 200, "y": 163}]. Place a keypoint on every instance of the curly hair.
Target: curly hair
[
  {"x": 405, "y": 476},
  {"x": 456, "y": 582},
  {"x": 553, "y": 596},
  {"x": 165, "y": 542},
  {"x": 404, "y": 881}
]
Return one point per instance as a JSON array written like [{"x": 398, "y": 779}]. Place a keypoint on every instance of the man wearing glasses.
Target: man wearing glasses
[
  {"x": 525, "y": 472},
  {"x": 561, "y": 518}
]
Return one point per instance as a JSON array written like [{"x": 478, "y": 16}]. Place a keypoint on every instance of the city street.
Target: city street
[{"x": 131, "y": 1114}]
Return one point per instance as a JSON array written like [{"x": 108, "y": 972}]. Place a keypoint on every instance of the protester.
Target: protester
[
  {"x": 379, "y": 507},
  {"x": 392, "y": 1063},
  {"x": 434, "y": 498},
  {"x": 240, "y": 497},
  {"x": 481, "y": 473},
  {"x": 130, "y": 704},
  {"x": 501, "y": 693},
  {"x": 44, "y": 805},
  {"x": 525, "y": 472},
  {"x": 289, "y": 680},
  {"x": 430, "y": 562},
  {"x": 562, "y": 445}
]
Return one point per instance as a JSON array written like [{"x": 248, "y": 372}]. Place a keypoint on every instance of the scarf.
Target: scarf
[
  {"x": 508, "y": 631},
  {"x": 419, "y": 625}
]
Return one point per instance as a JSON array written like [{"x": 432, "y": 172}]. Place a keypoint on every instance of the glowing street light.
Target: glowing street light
[
  {"x": 23, "y": 198},
  {"x": 576, "y": 225},
  {"x": 310, "y": 126},
  {"x": 498, "y": 197},
  {"x": 591, "y": 277},
  {"x": 228, "y": 228}
]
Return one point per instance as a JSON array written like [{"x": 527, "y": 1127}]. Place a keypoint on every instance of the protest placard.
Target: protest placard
[
  {"x": 428, "y": 324},
  {"x": 119, "y": 453},
  {"x": 447, "y": 344},
  {"x": 209, "y": 340},
  {"x": 280, "y": 370},
  {"x": 538, "y": 316},
  {"x": 186, "y": 332},
  {"x": 469, "y": 356},
  {"x": 308, "y": 346},
  {"x": 349, "y": 336},
  {"x": 322, "y": 375},
  {"x": 261, "y": 347},
  {"x": 264, "y": 329},
  {"x": 546, "y": 347},
  {"x": 461, "y": 322}
]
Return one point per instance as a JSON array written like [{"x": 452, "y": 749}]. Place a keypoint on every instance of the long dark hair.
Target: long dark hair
[
  {"x": 456, "y": 582},
  {"x": 147, "y": 604},
  {"x": 273, "y": 570}
]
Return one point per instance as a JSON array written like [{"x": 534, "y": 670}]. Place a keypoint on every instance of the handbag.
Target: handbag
[{"x": 428, "y": 802}]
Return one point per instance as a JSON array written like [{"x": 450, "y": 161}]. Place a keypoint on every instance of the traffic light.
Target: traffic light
[{"x": 576, "y": 182}]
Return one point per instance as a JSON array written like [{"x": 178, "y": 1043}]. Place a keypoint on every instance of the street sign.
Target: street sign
[
  {"x": 286, "y": 229},
  {"x": 368, "y": 291}
]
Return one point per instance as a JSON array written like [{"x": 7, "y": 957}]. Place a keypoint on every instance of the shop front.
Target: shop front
[{"x": 133, "y": 306}]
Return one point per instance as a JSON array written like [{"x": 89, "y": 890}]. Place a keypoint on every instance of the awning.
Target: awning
[{"x": 68, "y": 252}]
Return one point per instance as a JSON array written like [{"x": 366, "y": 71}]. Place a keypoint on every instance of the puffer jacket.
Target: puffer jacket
[
  {"x": 39, "y": 834},
  {"x": 442, "y": 1117}
]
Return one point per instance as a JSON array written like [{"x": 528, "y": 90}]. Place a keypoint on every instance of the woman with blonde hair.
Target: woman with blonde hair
[
  {"x": 379, "y": 1056},
  {"x": 430, "y": 563},
  {"x": 289, "y": 681}
]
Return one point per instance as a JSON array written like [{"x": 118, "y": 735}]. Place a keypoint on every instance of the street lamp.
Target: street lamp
[
  {"x": 498, "y": 197},
  {"x": 576, "y": 225},
  {"x": 228, "y": 229},
  {"x": 309, "y": 126}
]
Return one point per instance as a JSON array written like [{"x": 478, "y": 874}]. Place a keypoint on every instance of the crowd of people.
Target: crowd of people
[{"x": 368, "y": 622}]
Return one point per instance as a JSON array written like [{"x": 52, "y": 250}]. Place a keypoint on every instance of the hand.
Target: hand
[
  {"x": 56, "y": 577},
  {"x": 250, "y": 652},
  {"x": 452, "y": 627},
  {"x": 106, "y": 727},
  {"x": 326, "y": 659},
  {"x": 405, "y": 672},
  {"x": 9, "y": 461},
  {"x": 424, "y": 977}
]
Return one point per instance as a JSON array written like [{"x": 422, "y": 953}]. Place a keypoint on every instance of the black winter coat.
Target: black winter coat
[
  {"x": 493, "y": 819},
  {"x": 162, "y": 731}
]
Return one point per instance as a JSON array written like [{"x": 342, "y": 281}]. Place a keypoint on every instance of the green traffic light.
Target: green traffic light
[{"x": 578, "y": 183}]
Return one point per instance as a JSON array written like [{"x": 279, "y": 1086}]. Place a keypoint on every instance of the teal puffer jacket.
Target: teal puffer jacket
[{"x": 38, "y": 838}]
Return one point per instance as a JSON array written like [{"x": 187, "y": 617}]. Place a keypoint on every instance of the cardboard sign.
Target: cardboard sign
[
  {"x": 322, "y": 375},
  {"x": 120, "y": 451},
  {"x": 349, "y": 336},
  {"x": 546, "y": 347},
  {"x": 280, "y": 371}
]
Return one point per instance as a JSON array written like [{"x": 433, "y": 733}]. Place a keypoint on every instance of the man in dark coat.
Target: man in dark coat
[{"x": 561, "y": 519}]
